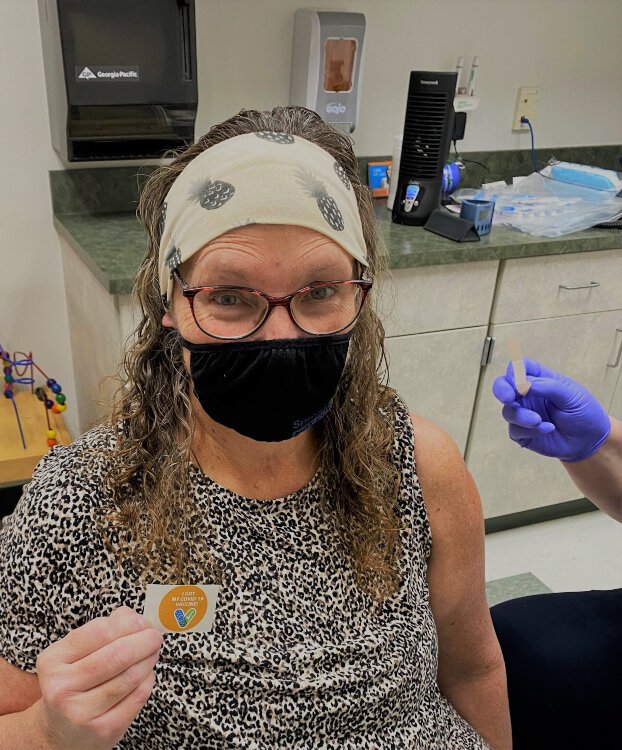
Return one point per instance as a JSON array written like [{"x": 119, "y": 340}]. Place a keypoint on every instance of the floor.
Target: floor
[{"x": 569, "y": 554}]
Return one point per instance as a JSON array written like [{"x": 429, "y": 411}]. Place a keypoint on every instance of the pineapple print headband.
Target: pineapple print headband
[{"x": 257, "y": 178}]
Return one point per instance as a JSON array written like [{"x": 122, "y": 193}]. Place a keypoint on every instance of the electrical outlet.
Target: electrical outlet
[{"x": 526, "y": 106}]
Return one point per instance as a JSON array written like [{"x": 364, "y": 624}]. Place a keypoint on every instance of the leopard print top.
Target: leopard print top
[{"x": 298, "y": 656}]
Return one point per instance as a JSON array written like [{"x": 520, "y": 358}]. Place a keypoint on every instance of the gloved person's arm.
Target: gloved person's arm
[
  {"x": 600, "y": 476},
  {"x": 560, "y": 418}
]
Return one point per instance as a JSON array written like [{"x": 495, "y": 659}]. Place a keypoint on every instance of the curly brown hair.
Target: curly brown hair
[{"x": 152, "y": 414}]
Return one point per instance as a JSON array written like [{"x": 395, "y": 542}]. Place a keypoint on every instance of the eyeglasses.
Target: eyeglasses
[{"x": 235, "y": 312}]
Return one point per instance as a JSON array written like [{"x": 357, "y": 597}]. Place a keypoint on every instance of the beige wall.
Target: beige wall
[
  {"x": 33, "y": 312},
  {"x": 570, "y": 48}
]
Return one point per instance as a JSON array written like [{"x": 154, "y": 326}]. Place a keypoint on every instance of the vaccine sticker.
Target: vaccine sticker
[{"x": 181, "y": 609}]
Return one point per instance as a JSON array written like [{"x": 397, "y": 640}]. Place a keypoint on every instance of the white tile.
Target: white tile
[{"x": 569, "y": 554}]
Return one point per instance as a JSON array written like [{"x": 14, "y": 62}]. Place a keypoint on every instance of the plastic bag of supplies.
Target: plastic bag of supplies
[{"x": 541, "y": 205}]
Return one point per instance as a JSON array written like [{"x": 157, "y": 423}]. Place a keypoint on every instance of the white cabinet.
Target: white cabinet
[
  {"x": 436, "y": 374},
  {"x": 436, "y": 319},
  {"x": 615, "y": 407},
  {"x": 557, "y": 285},
  {"x": 511, "y": 479},
  {"x": 566, "y": 310},
  {"x": 436, "y": 298}
]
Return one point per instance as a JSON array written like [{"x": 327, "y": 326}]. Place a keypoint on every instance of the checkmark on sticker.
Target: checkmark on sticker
[{"x": 185, "y": 618}]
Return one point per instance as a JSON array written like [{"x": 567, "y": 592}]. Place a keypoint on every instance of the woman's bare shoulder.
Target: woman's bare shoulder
[
  {"x": 450, "y": 494},
  {"x": 438, "y": 458}
]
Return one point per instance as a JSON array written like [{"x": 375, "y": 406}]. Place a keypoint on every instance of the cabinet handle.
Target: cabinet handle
[
  {"x": 616, "y": 363},
  {"x": 591, "y": 285},
  {"x": 489, "y": 345}
]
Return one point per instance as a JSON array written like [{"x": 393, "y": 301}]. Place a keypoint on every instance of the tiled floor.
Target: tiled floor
[
  {"x": 512, "y": 587},
  {"x": 570, "y": 554}
]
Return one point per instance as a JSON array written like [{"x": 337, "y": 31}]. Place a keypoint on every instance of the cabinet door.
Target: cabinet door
[
  {"x": 436, "y": 298},
  {"x": 559, "y": 285},
  {"x": 437, "y": 373},
  {"x": 615, "y": 408},
  {"x": 511, "y": 479}
]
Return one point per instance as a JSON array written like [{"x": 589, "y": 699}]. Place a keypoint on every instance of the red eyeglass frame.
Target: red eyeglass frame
[{"x": 190, "y": 293}]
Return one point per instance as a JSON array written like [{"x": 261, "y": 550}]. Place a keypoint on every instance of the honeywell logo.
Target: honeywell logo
[{"x": 429, "y": 83}]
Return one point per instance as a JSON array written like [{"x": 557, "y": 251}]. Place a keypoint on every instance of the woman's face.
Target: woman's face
[{"x": 275, "y": 259}]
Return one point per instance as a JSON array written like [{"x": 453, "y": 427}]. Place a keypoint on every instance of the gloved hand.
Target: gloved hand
[{"x": 557, "y": 418}]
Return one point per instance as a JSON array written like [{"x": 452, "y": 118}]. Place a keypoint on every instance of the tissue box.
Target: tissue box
[{"x": 378, "y": 177}]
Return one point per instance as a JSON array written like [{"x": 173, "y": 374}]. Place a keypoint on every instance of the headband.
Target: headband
[{"x": 257, "y": 178}]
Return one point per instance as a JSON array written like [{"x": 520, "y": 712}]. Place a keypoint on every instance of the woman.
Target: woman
[
  {"x": 563, "y": 651},
  {"x": 253, "y": 445}
]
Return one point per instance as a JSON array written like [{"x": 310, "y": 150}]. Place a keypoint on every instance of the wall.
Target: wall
[
  {"x": 33, "y": 313},
  {"x": 569, "y": 47}
]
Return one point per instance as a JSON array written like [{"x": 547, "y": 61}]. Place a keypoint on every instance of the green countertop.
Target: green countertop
[
  {"x": 414, "y": 246},
  {"x": 112, "y": 245}
]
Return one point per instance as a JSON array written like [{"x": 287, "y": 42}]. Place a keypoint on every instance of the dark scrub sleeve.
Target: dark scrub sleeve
[{"x": 46, "y": 549}]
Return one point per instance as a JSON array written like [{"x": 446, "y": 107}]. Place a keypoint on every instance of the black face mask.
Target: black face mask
[{"x": 268, "y": 390}]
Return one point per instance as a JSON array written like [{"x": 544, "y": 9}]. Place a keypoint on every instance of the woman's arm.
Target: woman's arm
[
  {"x": 19, "y": 693},
  {"x": 599, "y": 477},
  {"x": 21, "y": 731},
  {"x": 471, "y": 672}
]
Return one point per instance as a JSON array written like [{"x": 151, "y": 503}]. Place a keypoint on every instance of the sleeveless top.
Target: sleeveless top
[{"x": 298, "y": 656}]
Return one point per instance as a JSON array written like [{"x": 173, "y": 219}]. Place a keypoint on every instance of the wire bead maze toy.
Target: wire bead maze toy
[{"x": 25, "y": 364}]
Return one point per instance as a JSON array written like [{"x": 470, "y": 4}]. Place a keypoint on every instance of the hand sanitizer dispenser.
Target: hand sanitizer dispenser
[{"x": 327, "y": 64}]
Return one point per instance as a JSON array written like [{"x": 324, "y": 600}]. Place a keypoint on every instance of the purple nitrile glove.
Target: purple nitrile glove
[{"x": 557, "y": 418}]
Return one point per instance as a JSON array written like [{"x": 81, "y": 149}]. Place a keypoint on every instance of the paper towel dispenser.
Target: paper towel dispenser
[
  {"x": 120, "y": 76},
  {"x": 327, "y": 71}
]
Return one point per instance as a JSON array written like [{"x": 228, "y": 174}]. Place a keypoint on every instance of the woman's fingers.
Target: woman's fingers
[
  {"x": 116, "y": 658},
  {"x": 96, "y": 634},
  {"x": 95, "y": 680},
  {"x": 107, "y": 695},
  {"x": 115, "y": 722}
]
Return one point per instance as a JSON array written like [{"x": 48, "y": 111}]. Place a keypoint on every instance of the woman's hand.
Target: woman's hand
[
  {"x": 557, "y": 417},
  {"x": 95, "y": 681}
]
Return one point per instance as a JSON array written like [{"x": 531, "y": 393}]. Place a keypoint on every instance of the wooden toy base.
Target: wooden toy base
[{"x": 17, "y": 463}]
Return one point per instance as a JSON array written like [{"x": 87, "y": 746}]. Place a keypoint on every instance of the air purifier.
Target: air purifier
[{"x": 425, "y": 146}]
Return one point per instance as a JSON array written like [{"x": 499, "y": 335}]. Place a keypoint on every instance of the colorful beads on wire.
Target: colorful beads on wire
[{"x": 57, "y": 406}]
